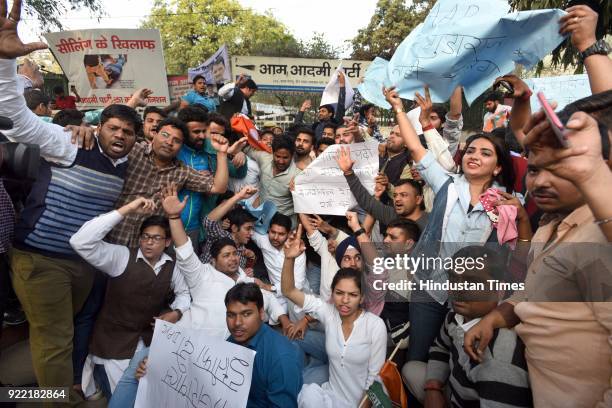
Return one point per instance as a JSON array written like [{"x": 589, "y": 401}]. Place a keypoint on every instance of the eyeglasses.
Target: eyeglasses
[{"x": 156, "y": 238}]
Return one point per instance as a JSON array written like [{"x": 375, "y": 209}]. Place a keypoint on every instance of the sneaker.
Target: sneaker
[{"x": 14, "y": 317}]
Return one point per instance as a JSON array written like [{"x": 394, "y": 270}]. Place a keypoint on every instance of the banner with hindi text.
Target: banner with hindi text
[
  {"x": 188, "y": 368},
  {"x": 109, "y": 65},
  {"x": 322, "y": 189},
  {"x": 295, "y": 74}
]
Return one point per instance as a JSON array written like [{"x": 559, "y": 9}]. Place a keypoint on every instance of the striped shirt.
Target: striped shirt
[{"x": 501, "y": 380}]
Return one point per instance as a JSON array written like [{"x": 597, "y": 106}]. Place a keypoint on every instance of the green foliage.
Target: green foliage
[
  {"x": 392, "y": 21},
  {"x": 192, "y": 30},
  {"x": 48, "y": 12},
  {"x": 565, "y": 55}
]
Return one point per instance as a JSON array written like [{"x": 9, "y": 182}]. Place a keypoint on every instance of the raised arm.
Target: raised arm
[
  {"x": 222, "y": 209},
  {"x": 411, "y": 140},
  {"x": 340, "y": 108},
  {"x": 299, "y": 118},
  {"x": 581, "y": 21},
  {"x": 76, "y": 94},
  {"x": 521, "y": 108},
  {"x": 379, "y": 211},
  {"x": 55, "y": 144},
  {"x": 89, "y": 243},
  {"x": 294, "y": 247}
]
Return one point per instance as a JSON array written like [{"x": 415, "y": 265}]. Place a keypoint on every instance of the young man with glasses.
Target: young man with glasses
[{"x": 139, "y": 285}]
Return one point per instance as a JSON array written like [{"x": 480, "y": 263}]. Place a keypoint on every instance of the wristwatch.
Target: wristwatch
[{"x": 600, "y": 47}]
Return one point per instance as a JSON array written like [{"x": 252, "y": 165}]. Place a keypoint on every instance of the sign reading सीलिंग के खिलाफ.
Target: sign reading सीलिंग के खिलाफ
[
  {"x": 295, "y": 74},
  {"x": 322, "y": 189},
  {"x": 109, "y": 65},
  {"x": 188, "y": 368}
]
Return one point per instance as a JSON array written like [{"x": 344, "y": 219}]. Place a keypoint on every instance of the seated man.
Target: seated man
[
  {"x": 134, "y": 295},
  {"x": 208, "y": 285},
  {"x": 271, "y": 246},
  {"x": 242, "y": 225},
  {"x": 277, "y": 369},
  {"x": 501, "y": 378}
]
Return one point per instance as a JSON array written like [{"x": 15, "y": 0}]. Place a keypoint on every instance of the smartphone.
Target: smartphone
[{"x": 553, "y": 119}]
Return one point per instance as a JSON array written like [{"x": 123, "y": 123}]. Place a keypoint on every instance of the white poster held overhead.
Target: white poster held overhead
[
  {"x": 322, "y": 189},
  {"x": 216, "y": 70},
  {"x": 563, "y": 89},
  {"x": 187, "y": 368},
  {"x": 109, "y": 65},
  {"x": 332, "y": 90}
]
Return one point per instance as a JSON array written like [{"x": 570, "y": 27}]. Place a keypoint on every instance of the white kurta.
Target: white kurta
[{"x": 354, "y": 363}]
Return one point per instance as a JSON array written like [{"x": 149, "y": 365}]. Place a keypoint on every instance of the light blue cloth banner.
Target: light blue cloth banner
[
  {"x": 468, "y": 43},
  {"x": 563, "y": 89},
  {"x": 375, "y": 78}
]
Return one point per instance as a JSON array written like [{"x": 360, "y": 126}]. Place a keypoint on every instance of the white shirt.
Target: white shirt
[
  {"x": 208, "y": 287},
  {"x": 329, "y": 266},
  {"x": 227, "y": 91},
  {"x": 274, "y": 259},
  {"x": 251, "y": 178},
  {"x": 354, "y": 363},
  {"x": 113, "y": 259},
  {"x": 55, "y": 143}
]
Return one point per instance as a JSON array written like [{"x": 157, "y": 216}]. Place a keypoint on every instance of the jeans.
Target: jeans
[
  {"x": 127, "y": 387},
  {"x": 426, "y": 319},
  {"x": 316, "y": 369},
  {"x": 313, "y": 274},
  {"x": 84, "y": 323}
]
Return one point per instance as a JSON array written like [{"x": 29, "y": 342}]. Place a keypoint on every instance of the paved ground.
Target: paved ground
[{"x": 16, "y": 364}]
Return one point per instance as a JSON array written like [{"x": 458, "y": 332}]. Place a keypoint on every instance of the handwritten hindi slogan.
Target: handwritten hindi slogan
[
  {"x": 322, "y": 189},
  {"x": 187, "y": 368},
  {"x": 109, "y": 65},
  {"x": 563, "y": 89},
  {"x": 469, "y": 43}
]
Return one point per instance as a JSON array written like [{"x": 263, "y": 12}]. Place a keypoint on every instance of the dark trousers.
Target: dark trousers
[
  {"x": 84, "y": 324},
  {"x": 426, "y": 319},
  {"x": 5, "y": 285}
]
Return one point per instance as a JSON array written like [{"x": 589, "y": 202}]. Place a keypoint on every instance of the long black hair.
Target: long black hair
[
  {"x": 347, "y": 273},
  {"x": 506, "y": 175}
]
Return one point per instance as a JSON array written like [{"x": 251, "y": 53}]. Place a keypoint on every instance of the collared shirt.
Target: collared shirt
[
  {"x": 145, "y": 179},
  {"x": 329, "y": 266},
  {"x": 568, "y": 346},
  {"x": 112, "y": 259},
  {"x": 354, "y": 363},
  {"x": 208, "y": 287},
  {"x": 194, "y": 98},
  {"x": 274, "y": 188},
  {"x": 227, "y": 91},
  {"x": 214, "y": 232},
  {"x": 460, "y": 227},
  {"x": 277, "y": 370},
  {"x": 274, "y": 259}
]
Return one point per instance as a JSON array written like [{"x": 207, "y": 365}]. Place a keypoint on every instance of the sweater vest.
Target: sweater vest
[
  {"x": 63, "y": 198},
  {"x": 132, "y": 300}
]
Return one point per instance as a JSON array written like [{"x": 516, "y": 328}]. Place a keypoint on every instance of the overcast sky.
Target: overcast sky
[{"x": 339, "y": 20}]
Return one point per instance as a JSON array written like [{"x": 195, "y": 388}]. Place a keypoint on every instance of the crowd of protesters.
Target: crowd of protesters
[{"x": 175, "y": 215}]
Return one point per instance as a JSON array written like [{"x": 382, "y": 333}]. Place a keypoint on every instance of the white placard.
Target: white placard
[
  {"x": 109, "y": 65},
  {"x": 322, "y": 189},
  {"x": 187, "y": 368},
  {"x": 563, "y": 89}
]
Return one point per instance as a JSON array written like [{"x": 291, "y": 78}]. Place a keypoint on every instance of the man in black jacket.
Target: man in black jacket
[{"x": 235, "y": 97}]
